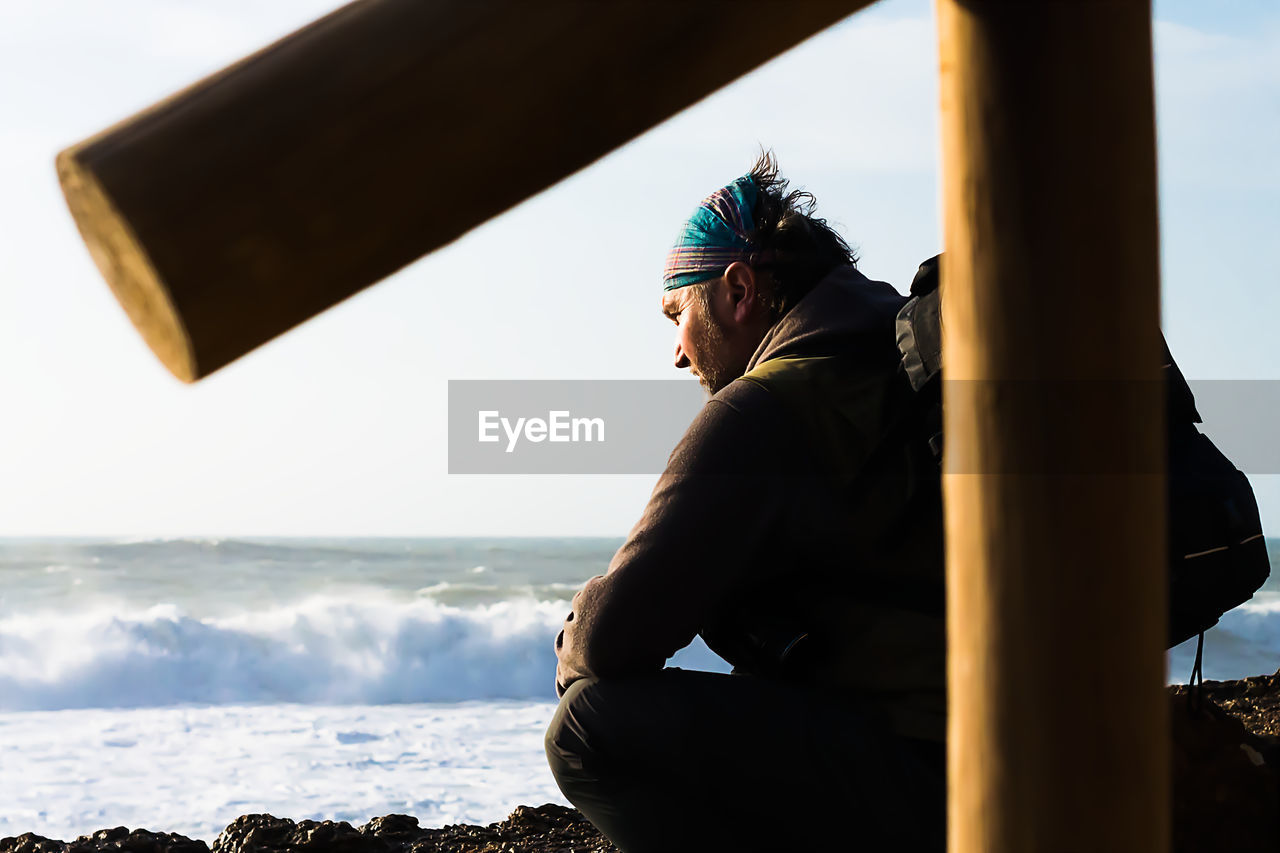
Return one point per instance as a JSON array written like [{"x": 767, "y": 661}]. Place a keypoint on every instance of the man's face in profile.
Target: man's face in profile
[{"x": 701, "y": 345}]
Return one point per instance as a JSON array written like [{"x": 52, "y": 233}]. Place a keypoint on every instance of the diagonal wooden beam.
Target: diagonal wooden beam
[
  {"x": 1054, "y": 483},
  {"x": 260, "y": 196}
]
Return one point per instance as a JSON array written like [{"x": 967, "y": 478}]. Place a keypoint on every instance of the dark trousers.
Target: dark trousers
[{"x": 700, "y": 761}]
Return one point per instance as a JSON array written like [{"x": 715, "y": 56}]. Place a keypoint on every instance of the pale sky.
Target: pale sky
[{"x": 338, "y": 428}]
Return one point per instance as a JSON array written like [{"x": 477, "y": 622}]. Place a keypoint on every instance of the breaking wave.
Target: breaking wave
[
  {"x": 1245, "y": 642},
  {"x": 322, "y": 650}
]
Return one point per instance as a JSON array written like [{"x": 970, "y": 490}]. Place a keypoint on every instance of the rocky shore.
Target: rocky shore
[
  {"x": 546, "y": 828},
  {"x": 1226, "y": 765}
]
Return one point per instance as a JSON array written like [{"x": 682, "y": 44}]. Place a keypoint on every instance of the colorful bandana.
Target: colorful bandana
[{"x": 714, "y": 237}]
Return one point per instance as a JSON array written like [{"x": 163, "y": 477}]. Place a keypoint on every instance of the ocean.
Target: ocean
[{"x": 176, "y": 684}]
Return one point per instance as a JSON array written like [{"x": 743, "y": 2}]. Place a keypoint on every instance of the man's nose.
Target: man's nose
[{"x": 681, "y": 361}]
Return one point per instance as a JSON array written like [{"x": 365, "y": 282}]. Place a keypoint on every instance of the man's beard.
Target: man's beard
[{"x": 709, "y": 346}]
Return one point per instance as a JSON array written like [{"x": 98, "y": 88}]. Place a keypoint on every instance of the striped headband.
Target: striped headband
[{"x": 714, "y": 237}]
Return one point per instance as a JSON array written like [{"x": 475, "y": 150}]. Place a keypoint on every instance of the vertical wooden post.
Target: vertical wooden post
[{"x": 1054, "y": 478}]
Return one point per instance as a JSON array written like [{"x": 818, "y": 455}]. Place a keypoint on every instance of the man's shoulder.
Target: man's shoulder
[
  {"x": 746, "y": 397},
  {"x": 743, "y": 429},
  {"x": 807, "y": 383},
  {"x": 782, "y": 395},
  {"x": 742, "y": 411}
]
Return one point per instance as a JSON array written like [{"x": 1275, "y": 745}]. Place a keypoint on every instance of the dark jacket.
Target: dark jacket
[{"x": 797, "y": 526}]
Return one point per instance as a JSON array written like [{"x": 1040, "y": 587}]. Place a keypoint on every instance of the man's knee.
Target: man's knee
[
  {"x": 589, "y": 747},
  {"x": 566, "y": 741},
  {"x": 607, "y": 729}
]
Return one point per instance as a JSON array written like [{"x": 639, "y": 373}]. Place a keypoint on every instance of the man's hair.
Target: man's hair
[{"x": 795, "y": 247}]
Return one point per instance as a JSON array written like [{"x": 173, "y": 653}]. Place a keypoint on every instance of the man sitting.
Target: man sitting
[{"x": 797, "y": 528}]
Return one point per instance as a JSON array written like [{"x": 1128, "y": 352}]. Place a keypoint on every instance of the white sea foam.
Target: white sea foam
[{"x": 193, "y": 770}]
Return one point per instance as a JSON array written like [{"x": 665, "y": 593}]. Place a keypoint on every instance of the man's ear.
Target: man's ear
[{"x": 742, "y": 291}]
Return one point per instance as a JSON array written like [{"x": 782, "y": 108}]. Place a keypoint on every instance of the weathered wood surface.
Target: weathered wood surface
[
  {"x": 268, "y": 192},
  {"x": 1054, "y": 481}
]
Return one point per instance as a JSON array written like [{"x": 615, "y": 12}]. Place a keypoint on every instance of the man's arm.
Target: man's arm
[{"x": 701, "y": 534}]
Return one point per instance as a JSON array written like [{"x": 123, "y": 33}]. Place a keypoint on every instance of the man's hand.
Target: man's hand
[
  {"x": 568, "y": 671},
  {"x": 561, "y": 685}
]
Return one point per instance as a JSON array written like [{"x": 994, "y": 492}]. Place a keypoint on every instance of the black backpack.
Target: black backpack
[{"x": 1217, "y": 555}]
